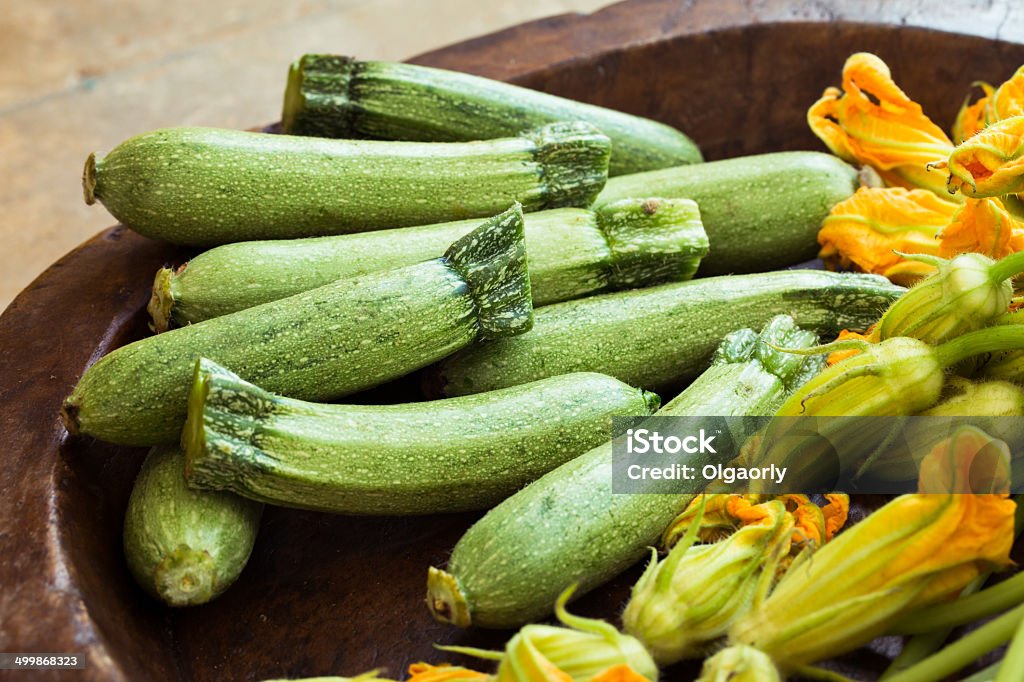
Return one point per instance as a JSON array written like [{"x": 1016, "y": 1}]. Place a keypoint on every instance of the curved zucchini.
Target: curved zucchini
[
  {"x": 761, "y": 212},
  {"x": 439, "y": 456},
  {"x": 327, "y": 342},
  {"x": 662, "y": 336},
  {"x": 334, "y": 96},
  {"x": 183, "y": 546},
  {"x": 568, "y": 527},
  {"x": 573, "y": 252},
  {"x": 206, "y": 186}
]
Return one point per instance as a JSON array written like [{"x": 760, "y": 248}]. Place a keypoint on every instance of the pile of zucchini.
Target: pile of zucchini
[{"x": 410, "y": 220}]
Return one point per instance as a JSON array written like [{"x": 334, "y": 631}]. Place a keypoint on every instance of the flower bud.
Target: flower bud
[
  {"x": 587, "y": 650},
  {"x": 964, "y": 294},
  {"x": 686, "y": 601},
  {"x": 739, "y": 663},
  {"x": 872, "y": 122}
]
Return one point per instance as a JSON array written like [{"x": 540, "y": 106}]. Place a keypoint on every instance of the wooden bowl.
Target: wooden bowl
[{"x": 325, "y": 594}]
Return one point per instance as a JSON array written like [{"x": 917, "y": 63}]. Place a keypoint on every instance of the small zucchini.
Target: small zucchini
[
  {"x": 661, "y": 336},
  {"x": 206, "y": 186},
  {"x": 761, "y": 212},
  {"x": 334, "y": 96},
  {"x": 324, "y": 343},
  {"x": 420, "y": 458},
  {"x": 568, "y": 527},
  {"x": 184, "y": 546},
  {"x": 573, "y": 252}
]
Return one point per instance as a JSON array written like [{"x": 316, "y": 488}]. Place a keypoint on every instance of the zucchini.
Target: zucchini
[
  {"x": 334, "y": 96},
  {"x": 439, "y": 456},
  {"x": 568, "y": 527},
  {"x": 183, "y": 546},
  {"x": 761, "y": 212},
  {"x": 573, "y": 252},
  {"x": 324, "y": 343},
  {"x": 662, "y": 336},
  {"x": 206, "y": 186}
]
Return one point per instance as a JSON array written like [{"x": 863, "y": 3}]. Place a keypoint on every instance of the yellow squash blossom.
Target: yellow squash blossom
[
  {"x": 739, "y": 663},
  {"x": 871, "y": 121},
  {"x": 982, "y": 226},
  {"x": 872, "y": 229},
  {"x": 989, "y": 164},
  {"x": 917, "y": 550},
  {"x": 997, "y": 104},
  {"x": 424, "y": 672}
]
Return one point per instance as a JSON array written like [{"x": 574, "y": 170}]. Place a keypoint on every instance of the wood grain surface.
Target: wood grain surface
[{"x": 336, "y": 595}]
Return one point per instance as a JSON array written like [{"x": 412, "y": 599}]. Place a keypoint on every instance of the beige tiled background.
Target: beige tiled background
[{"x": 81, "y": 75}]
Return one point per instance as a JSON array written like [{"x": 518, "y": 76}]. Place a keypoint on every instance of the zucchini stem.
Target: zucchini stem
[
  {"x": 445, "y": 599},
  {"x": 988, "y": 340},
  {"x": 1008, "y": 267},
  {"x": 89, "y": 180},
  {"x": 161, "y": 301}
]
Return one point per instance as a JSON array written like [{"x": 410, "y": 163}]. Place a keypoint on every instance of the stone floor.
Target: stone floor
[{"x": 81, "y": 75}]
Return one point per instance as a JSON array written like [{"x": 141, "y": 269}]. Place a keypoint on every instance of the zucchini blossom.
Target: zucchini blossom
[
  {"x": 871, "y": 121},
  {"x": 917, "y": 550},
  {"x": 872, "y": 230},
  {"x": 739, "y": 663},
  {"x": 587, "y": 650},
  {"x": 982, "y": 226},
  {"x": 685, "y": 602},
  {"x": 990, "y": 163},
  {"x": 997, "y": 103}
]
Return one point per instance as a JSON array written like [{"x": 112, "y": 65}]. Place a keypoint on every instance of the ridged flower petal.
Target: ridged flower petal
[
  {"x": 870, "y": 230},
  {"x": 872, "y": 121},
  {"x": 982, "y": 226},
  {"x": 991, "y": 163}
]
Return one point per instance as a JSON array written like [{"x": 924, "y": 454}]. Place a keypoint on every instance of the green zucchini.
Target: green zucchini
[
  {"x": 206, "y": 186},
  {"x": 661, "y": 336},
  {"x": 761, "y": 212},
  {"x": 333, "y": 96},
  {"x": 184, "y": 546},
  {"x": 324, "y": 343},
  {"x": 573, "y": 252},
  {"x": 420, "y": 458},
  {"x": 568, "y": 527}
]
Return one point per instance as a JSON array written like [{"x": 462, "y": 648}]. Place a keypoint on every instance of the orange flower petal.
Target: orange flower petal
[
  {"x": 970, "y": 119},
  {"x": 1007, "y": 100},
  {"x": 991, "y": 163},
  {"x": 982, "y": 226},
  {"x": 866, "y": 231},
  {"x": 619, "y": 673},
  {"x": 836, "y": 512},
  {"x": 872, "y": 121},
  {"x": 425, "y": 672},
  {"x": 840, "y": 355}
]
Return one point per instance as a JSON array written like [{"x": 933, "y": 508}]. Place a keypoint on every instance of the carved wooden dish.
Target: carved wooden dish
[{"x": 337, "y": 595}]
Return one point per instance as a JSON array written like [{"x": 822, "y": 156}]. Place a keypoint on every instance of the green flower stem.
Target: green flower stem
[
  {"x": 986, "y": 675},
  {"x": 1012, "y": 667},
  {"x": 964, "y": 651},
  {"x": 988, "y": 340},
  {"x": 1008, "y": 267},
  {"x": 812, "y": 672}
]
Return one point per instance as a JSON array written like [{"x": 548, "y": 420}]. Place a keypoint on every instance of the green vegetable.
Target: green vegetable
[
  {"x": 183, "y": 546},
  {"x": 419, "y": 458},
  {"x": 761, "y": 212},
  {"x": 573, "y": 252},
  {"x": 205, "y": 186},
  {"x": 324, "y": 343},
  {"x": 333, "y": 96},
  {"x": 568, "y": 526},
  {"x": 662, "y": 336}
]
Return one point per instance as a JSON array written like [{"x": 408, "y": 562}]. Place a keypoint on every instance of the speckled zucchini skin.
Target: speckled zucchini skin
[
  {"x": 420, "y": 458},
  {"x": 335, "y": 96},
  {"x": 207, "y": 186},
  {"x": 662, "y": 336},
  {"x": 324, "y": 343},
  {"x": 567, "y": 527},
  {"x": 184, "y": 546},
  {"x": 761, "y": 212},
  {"x": 572, "y": 252}
]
